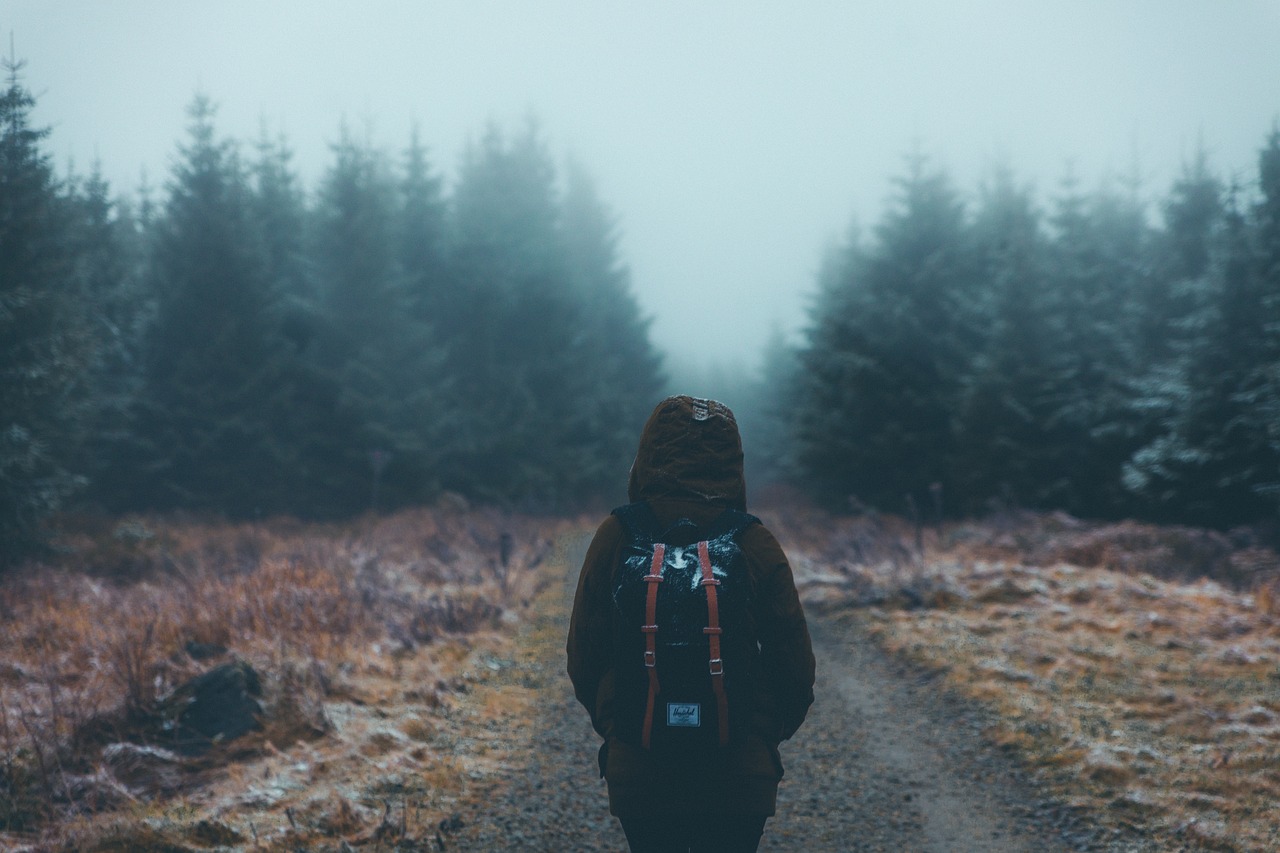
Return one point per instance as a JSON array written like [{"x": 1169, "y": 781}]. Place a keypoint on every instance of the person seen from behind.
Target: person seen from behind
[{"x": 688, "y": 645}]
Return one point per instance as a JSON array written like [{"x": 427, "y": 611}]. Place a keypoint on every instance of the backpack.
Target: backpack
[{"x": 684, "y": 648}]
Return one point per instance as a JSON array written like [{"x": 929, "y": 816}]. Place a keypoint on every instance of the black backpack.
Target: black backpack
[{"x": 684, "y": 648}]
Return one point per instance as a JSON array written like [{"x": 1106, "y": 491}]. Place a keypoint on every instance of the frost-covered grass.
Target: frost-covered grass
[
  {"x": 1147, "y": 701},
  {"x": 343, "y": 622}
]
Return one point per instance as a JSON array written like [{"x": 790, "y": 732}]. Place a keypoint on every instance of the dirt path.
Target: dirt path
[
  {"x": 884, "y": 763},
  {"x": 553, "y": 799}
]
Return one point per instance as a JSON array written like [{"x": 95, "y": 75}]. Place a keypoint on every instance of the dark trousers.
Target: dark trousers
[{"x": 719, "y": 833}]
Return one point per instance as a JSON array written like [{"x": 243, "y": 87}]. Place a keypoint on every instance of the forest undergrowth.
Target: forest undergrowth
[
  {"x": 1135, "y": 668},
  {"x": 341, "y": 628}
]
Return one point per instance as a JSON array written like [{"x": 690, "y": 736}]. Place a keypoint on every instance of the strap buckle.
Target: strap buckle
[
  {"x": 650, "y": 659},
  {"x": 716, "y": 666}
]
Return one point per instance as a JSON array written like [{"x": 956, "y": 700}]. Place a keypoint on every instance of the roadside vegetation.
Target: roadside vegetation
[
  {"x": 1133, "y": 667},
  {"x": 358, "y": 637}
]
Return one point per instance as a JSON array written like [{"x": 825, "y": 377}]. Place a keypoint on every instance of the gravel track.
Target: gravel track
[{"x": 885, "y": 762}]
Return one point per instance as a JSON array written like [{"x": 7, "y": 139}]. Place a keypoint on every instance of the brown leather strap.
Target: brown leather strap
[
  {"x": 713, "y": 632},
  {"x": 650, "y": 629}
]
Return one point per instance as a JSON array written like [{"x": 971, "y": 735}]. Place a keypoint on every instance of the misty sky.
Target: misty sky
[{"x": 735, "y": 140}]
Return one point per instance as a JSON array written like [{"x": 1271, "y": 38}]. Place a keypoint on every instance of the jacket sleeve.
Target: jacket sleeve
[
  {"x": 589, "y": 648},
  {"x": 786, "y": 654}
]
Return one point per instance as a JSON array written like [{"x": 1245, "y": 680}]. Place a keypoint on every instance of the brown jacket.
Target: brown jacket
[{"x": 689, "y": 465}]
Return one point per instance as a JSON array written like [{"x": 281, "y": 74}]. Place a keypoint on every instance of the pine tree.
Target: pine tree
[
  {"x": 893, "y": 335},
  {"x": 110, "y": 251},
  {"x": 621, "y": 370},
  {"x": 1097, "y": 273},
  {"x": 1175, "y": 311},
  {"x": 319, "y": 472},
  {"x": 43, "y": 335},
  {"x": 1006, "y": 445},
  {"x": 423, "y": 231},
  {"x": 356, "y": 246},
  {"x": 766, "y": 412},
  {"x": 210, "y": 352},
  {"x": 423, "y": 383},
  {"x": 1179, "y": 288},
  {"x": 279, "y": 212},
  {"x": 371, "y": 340},
  {"x": 1265, "y": 382},
  {"x": 516, "y": 350},
  {"x": 1213, "y": 461}
]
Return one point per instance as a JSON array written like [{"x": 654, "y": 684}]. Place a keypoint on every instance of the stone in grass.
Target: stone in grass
[{"x": 218, "y": 705}]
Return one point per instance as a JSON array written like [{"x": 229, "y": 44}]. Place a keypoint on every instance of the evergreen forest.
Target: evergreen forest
[
  {"x": 244, "y": 347},
  {"x": 237, "y": 344},
  {"x": 1093, "y": 356}
]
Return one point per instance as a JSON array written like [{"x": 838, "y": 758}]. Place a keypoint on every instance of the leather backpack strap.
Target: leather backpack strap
[
  {"x": 715, "y": 664},
  {"x": 650, "y": 629}
]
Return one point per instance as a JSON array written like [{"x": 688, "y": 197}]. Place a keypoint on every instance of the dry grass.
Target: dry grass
[
  {"x": 336, "y": 619},
  {"x": 1151, "y": 702}
]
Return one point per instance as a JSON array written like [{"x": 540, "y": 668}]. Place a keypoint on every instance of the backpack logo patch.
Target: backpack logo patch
[{"x": 686, "y": 714}]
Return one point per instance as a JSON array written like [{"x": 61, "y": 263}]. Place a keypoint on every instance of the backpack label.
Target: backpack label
[{"x": 686, "y": 714}]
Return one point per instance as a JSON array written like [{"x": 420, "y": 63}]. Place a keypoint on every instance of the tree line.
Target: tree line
[
  {"x": 1080, "y": 357},
  {"x": 240, "y": 344},
  {"x": 243, "y": 346}
]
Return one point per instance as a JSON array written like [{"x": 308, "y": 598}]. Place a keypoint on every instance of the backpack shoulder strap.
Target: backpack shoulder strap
[{"x": 638, "y": 520}]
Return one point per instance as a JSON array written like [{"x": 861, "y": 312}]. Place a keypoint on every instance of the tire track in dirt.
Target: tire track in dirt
[{"x": 884, "y": 762}]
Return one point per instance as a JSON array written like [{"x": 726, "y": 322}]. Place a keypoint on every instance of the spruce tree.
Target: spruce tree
[
  {"x": 766, "y": 411},
  {"x": 1097, "y": 272},
  {"x": 319, "y": 473},
  {"x": 1213, "y": 461},
  {"x": 279, "y": 212},
  {"x": 516, "y": 352},
  {"x": 370, "y": 339},
  {"x": 423, "y": 264},
  {"x": 110, "y": 253},
  {"x": 894, "y": 333},
  {"x": 1176, "y": 312},
  {"x": 44, "y": 339},
  {"x": 422, "y": 250},
  {"x": 1265, "y": 382},
  {"x": 1006, "y": 447},
  {"x": 621, "y": 370},
  {"x": 1179, "y": 288},
  {"x": 209, "y": 385}
]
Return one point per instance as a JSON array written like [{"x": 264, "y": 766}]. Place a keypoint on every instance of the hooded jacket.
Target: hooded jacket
[{"x": 689, "y": 466}]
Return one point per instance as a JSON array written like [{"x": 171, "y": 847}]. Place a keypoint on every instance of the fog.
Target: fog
[{"x": 734, "y": 141}]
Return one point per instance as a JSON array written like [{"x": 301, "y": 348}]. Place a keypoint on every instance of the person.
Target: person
[{"x": 687, "y": 487}]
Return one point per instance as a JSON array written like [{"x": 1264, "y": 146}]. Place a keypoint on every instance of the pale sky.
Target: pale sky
[{"x": 735, "y": 140}]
